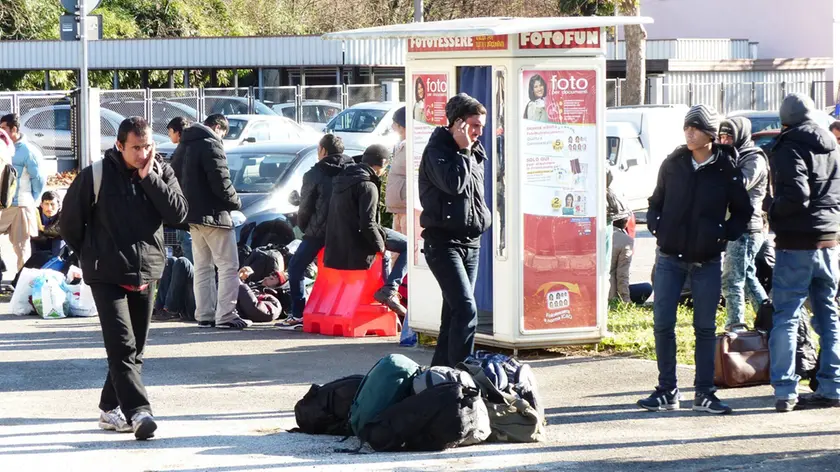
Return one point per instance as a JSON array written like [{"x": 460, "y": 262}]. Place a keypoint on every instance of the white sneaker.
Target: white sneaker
[
  {"x": 114, "y": 420},
  {"x": 144, "y": 425}
]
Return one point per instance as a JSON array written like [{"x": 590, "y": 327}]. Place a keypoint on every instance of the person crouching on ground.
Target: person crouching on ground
[
  {"x": 120, "y": 239},
  {"x": 354, "y": 235},
  {"x": 696, "y": 186}
]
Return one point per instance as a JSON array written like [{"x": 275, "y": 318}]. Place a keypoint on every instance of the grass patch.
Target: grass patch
[{"x": 631, "y": 330}]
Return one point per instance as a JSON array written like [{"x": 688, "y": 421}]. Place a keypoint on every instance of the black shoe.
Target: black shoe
[
  {"x": 818, "y": 401},
  {"x": 206, "y": 324},
  {"x": 785, "y": 406},
  {"x": 709, "y": 403},
  {"x": 661, "y": 400}
]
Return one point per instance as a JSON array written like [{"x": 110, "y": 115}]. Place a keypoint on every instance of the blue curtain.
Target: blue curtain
[{"x": 477, "y": 83}]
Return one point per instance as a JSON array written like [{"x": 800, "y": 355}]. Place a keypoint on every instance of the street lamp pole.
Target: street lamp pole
[
  {"x": 418, "y": 11},
  {"x": 84, "y": 90}
]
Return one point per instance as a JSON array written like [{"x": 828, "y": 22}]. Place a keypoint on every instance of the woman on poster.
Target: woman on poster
[
  {"x": 419, "y": 100},
  {"x": 535, "y": 110}
]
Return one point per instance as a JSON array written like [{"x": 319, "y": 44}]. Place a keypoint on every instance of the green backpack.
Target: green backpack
[{"x": 388, "y": 383}]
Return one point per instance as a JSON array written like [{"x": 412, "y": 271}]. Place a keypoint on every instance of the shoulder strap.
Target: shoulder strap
[{"x": 97, "y": 180}]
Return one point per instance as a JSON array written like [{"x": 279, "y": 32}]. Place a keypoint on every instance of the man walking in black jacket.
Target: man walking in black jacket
[
  {"x": 312, "y": 220},
  {"x": 117, "y": 230},
  {"x": 354, "y": 235},
  {"x": 451, "y": 184},
  {"x": 687, "y": 214},
  {"x": 739, "y": 263},
  {"x": 205, "y": 177},
  {"x": 805, "y": 217}
]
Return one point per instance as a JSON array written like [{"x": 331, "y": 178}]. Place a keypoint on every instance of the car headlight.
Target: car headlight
[{"x": 238, "y": 218}]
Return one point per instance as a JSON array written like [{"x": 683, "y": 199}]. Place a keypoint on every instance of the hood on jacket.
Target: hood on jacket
[
  {"x": 442, "y": 139},
  {"x": 740, "y": 128},
  {"x": 352, "y": 176},
  {"x": 197, "y": 132},
  {"x": 811, "y": 136},
  {"x": 796, "y": 109},
  {"x": 333, "y": 164}
]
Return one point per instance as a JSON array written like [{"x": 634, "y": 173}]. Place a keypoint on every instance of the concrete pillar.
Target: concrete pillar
[
  {"x": 391, "y": 90},
  {"x": 235, "y": 78},
  {"x": 657, "y": 90}
]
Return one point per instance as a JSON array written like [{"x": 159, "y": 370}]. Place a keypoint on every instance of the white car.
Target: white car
[
  {"x": 365, "y": 124},
  {"x": 248, "y": 129},
  {"x": 316, "y": 113}
]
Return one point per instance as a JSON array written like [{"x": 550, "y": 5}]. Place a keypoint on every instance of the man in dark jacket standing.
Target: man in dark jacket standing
[
  {"x": 354, "y": 235},
  {"x": 314, "y": 208},
  {"x": 687, "y": 214},
  {"x": 451, "y": 184},
  {"x": 739, "y": 263},
  {"x": 805, "y": 217},
  {"x": 118, "y": 232},
  {"x": 205, "y": 178}
]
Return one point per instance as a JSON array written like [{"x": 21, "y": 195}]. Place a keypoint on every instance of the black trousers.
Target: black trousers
[{"x": 124, "y": 317}]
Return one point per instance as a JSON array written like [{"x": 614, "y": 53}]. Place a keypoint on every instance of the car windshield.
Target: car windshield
[
  {"x": 235, "y": 128},
  {"x": 612, "y": 149},
  {"x": 257, "y": 172},
  {"x": 356, "y": 120}
]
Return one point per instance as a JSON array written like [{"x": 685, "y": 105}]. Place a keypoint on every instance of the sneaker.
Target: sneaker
[
  {"x": 816, "y": 400},
  {"x": 391, "y": 299},
  {"x": 661, "y": 400},
  {"x": 291, "y": 324},
  {"x": 236, "y": 323},
  {"x": 163, "y": 315},
  {"x": 144, "y": 425},
  {"x": 114, "y": 420},
  {"x": 206, "y": 324},
  {"x": 709, "y": 403},
  {"x": 786, "y": 405}
]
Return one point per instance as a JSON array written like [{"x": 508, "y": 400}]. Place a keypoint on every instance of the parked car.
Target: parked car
[
  {"x": 227, "y": 105},
  {"x": 49, "y": 129},
  {"x": 639, "y": 138},
  {"x": 249, "y": 129},
  {"x": 365, "y": 124},
  {"x": 316, "y": 113},
  {"x": 770, "y": 120},
  {"x": 162, "y": 111},
  {"x": 766, "y": 139}
]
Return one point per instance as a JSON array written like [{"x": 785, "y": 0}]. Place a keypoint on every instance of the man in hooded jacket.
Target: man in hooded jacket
[
  {"x": 739, "y": 264},
  {"x": 805, "y": 217}
]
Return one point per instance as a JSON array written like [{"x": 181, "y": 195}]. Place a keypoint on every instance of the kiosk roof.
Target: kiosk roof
[{"x": 486, "y": 26}]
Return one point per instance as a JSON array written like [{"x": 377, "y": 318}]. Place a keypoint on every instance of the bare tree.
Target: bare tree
[{"x": 635, "y": 39}]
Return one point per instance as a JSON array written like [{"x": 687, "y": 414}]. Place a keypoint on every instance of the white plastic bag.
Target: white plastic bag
[
  {"x": 47, "y": 295},
  {"x": 79, "y": 301},
  {"x": 23, "y": 290}
]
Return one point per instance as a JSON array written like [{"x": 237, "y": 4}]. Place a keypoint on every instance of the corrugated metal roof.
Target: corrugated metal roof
[
  {"x": 181, "y": 53},
  {"x": 688, "y": 49},
  {"x": 487, "y": 26}
]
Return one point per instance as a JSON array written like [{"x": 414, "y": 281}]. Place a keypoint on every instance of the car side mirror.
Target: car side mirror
[
  {"x": 249, "y": 140},
  {"x": 294, "y": 198}
]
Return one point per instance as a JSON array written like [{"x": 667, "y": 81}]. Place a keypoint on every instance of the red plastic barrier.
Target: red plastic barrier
[{"x": 342, "y": 303}]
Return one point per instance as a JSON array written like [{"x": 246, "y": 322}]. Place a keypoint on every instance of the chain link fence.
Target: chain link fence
[
  {"x": 6, "y": 104},
  {"x": 171, "y": 103},
  {"x": 283, "y": 100},
  {"x": 45, "y": 120},
  {"x": 361, "y": 93}
]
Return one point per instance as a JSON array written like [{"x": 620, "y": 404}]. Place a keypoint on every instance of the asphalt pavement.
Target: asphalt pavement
[{"x": 225, "y": 400}]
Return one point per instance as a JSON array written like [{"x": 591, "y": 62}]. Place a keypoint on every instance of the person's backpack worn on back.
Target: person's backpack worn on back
[
  {"x": 388, "y": 383},
  {"x": 443, "y": 416},
  {"x": 325, "y": 409}
]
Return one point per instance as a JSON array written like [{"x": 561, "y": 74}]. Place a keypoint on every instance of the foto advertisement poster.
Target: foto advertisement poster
[
  {"x": 559, "y": 198},
  {"x": 431, "y": 92}
]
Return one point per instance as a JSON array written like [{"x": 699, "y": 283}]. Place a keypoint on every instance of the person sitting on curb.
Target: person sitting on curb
[{"x": 354, "y": 235}]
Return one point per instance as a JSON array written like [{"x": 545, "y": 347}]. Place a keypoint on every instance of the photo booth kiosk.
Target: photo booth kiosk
[{"x": 544, "y": 264}]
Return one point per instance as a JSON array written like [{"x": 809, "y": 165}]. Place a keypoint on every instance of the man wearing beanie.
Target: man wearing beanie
[
  {"x": 451, "y": 184},
  {"x": 687, "y": 213},
  {"x": 805, "y": 217},
  {"x": 739, "y": 263},
  {"x": 395, "y": 188},
  {"x": 354, "y": 234}
]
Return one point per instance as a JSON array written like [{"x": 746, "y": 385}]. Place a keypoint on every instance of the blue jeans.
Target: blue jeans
[
  {"x": 395, "y": 242},
  {"x": 797, "y": 275},
  {"x": 455, "y": 268},
  {"x": 670, "y": 277},
  {"x": 739, "y": 274},
  {"x": 185, "y": 238},
  {"x": 639, "y": 293},
  {"x": 303, "y": 256},
  {"x": 175, "y": 289}
]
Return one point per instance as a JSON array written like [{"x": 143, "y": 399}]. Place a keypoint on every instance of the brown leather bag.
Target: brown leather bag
[{"x": 742, "y": 359}]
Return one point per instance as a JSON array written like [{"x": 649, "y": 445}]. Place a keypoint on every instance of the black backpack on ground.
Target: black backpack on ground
[
  {"x": 265, "y": 261},
  {"x": 325, "y": 409},
  {"x": 443, "y": 416}
]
